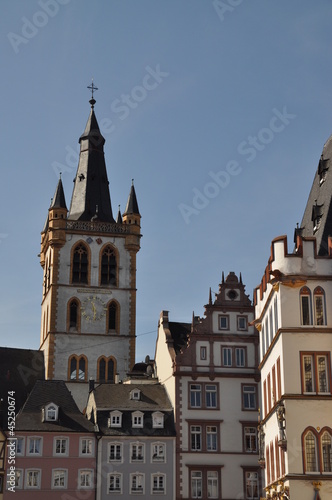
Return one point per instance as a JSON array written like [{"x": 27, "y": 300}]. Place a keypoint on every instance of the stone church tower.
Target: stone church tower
[{"x": 89, "y": 262}]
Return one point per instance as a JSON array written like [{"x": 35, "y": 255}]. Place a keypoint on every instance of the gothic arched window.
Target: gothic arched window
[
  {"x": 80, "y": 264},
  {"x": 108, "y": 268},
  {"x": 106, "y": 369},
  {"x": 113, "y": 317},
  {"x": 310, "y": 452},
  {"x": 78, "y": 368},
  {"x": 326, "y": 444},
  {"x": 73, "y": 315},
  {"x": 319, "y": 306},
  {"x": 305, "y": 304}
]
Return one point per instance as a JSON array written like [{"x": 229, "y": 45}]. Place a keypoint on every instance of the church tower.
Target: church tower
[{"x": 89, "y": 262}]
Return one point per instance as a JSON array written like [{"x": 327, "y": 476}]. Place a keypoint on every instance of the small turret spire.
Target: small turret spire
[{"x": 210, "y": 297}]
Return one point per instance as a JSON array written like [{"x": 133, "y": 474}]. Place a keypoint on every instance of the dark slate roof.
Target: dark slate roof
[
  {"x": 119, "y": 217},
  {"x": 19, "y": 370},
  {"x": 110, "y": 397},
  {"x": 91, "y": 196},
  {"x": 30, "y": 418},
  {"x": 319, "y": 203},
  {"x": 132, "y": 205},
  {"x": 59, "y": 197},
  {"x": 180, "y": 333}
]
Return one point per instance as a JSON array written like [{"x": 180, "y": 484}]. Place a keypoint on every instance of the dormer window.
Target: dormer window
[
  {"x": 137, "y": 419},
  {"x": 322, "y": 169},
  {"x": 115, "y": 419},
  {"x": 157, "y": 420},
  {"x": 51, "y": 412},
  {"x": 317, "y": 214},
  {"x": 135, "y": 394}
]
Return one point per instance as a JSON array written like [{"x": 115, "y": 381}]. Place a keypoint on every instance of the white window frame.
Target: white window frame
[
  {"x": 212, "y": 480},
  {"x": 250, "y": 432},
  {"x": 158, "y": 452},
  {"x": 203, "y": 353},
  {"x": 157, "y": 420},
  {"x": 254, "y": 392},
  {"x": 51, "y": 407},
  {"x": 119, "y": 446},
  {"x": 89, "y": 453},
  {"x": 196, "y": 484},
  {"x": 38, "y": 472},
  {"x": 116, "y": 418},
  {"x": 137, "y": 419},
  {"x": 211, "y": 437},
  {"x": 116, "y": 476},
  {"x": 64, "y": 473},
  {"x": 255, "y": 484},
  {"x": 140, "y": 487},
  {"x": 19, "y": 475},
  {"x": 158, "y": 491},
  {"x": 196, "y": 430},
  {"x": 32, "y": 453},
  {"x": 17, "y": 452},
  {"x": 137, "y": 457},
  {"x": 61, "y": 454},
  {"x": 85, "y": 473},
  {"x": 135, "y": 394}
]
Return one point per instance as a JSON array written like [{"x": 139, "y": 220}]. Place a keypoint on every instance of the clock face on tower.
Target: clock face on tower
[{"x": 93, "y": 308}]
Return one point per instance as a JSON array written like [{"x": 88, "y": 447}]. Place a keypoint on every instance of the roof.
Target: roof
[
  {"x": 132, "y": 205},
  {"x": 317, "y": 217},
  {"x": 30, "y": 418},
  {"x": 91, "y": 197},
  {"x": 180, "y": 333},
  {"x": 153, "y": 398},
  {"x": 19, "y": 370},
  {"x": 59, "y": 197}
]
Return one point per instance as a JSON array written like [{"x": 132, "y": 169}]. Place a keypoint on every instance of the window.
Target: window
[
  {"x": 212, "y": 484},
  {"x": 106, "y": 369},
  {"x": 73, "y": 315},
  {"x": 32, "y": 480},
  {"x": 85, "y": 479},
  {"x": 326, "y": 442},
  {"x": 196, "y": 437},
  {"x": 18, "y": 479},
  {"x": 115, "y": 419},
  {"x": 157, "y": 420},
  {"x": 316, "y": 372},
  {"x": 278, "y": 378},
  {"x": 59, "y": 478},
  {"x": 310, "y": 451},
  {"x": 204, "y": 437},
  {"x": 196, "y": 484},
  {"x": 137, "y": 452},
  {"x": 223, "y": 322},
  {"x": 227, "y": 356},
  {"x": 137, "y": 419},
  {"x": 211, "y": 438},
  {"x": 240, "y": 356},
  {"x": 158, "y": 452},
  {"x": 80, "y": 264},
  {"x": 250, "y": 438},
  {"x": 137, "y": 483},
  {"x": 252, "y": 486},
  {"x": 113, "y": 312},
  {"x": 108, "y": 270},
  {"x": 305, "y": 298},
  {"x": 115, "y": 483},
  {"x": 211, "y": 396},
  {"x": 242, "y": 323},
  {"x": 86, "y": 447},
  {"x": 61, "y": 446},
  {"x": 203, "y": 353},
  {"x": 249, "y": 398},
  {"x": 34, "y": 446},
  {"x": 19, "y": 446},
  {"x": 50, "y": 413},
  {"x": 195, "y": 395},
  {"x": 115, "y": 452},
  {"x": 135, "y": 394},
  {"x": 78, "y": 368},
  {"x": 319, "y": 306},
  {"x": 158, "y": 483}
]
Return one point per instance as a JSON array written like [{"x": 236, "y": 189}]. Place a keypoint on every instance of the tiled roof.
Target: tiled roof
[
  {"x": 70, "y": 419},
  {"x": 180, "y": 333}
]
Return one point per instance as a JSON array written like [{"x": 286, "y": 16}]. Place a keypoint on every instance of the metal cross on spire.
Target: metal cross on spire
[{"x": 93, "y": 88}]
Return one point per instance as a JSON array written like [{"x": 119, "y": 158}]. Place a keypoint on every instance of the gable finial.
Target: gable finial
[{"x": 93, "y": 88}]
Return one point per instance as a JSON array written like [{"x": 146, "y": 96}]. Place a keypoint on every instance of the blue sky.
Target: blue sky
[{"x": 218, "y": 109}]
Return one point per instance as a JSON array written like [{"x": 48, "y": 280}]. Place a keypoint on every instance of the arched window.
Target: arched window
[
  {"x": 106, "y": 369},
  {"x": 77, "y": 368},
  {"x": 326, "y": 442},
  {"x": 305, "y": 304},
  {"x": 113, "y": 317},
  {"x": 310, "y": 452},
  {"x": 80, "y": 264},
  {"x": 108, "y": 268},
  {"x": 73, "y": 315},
  {"x": 319, "y": 306}
]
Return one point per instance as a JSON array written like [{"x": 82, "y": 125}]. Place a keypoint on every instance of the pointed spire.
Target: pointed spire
[
  {"x": 210, "y": 298},
  {"x": 119, "y": 217},
  {"x": 222, "y": 278},
  {"x": 91, "y": 182},
  {"x": 241, "y": 278},
  {"x": 132, "y": 205},
  {"x": 58, "y": 200}
]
